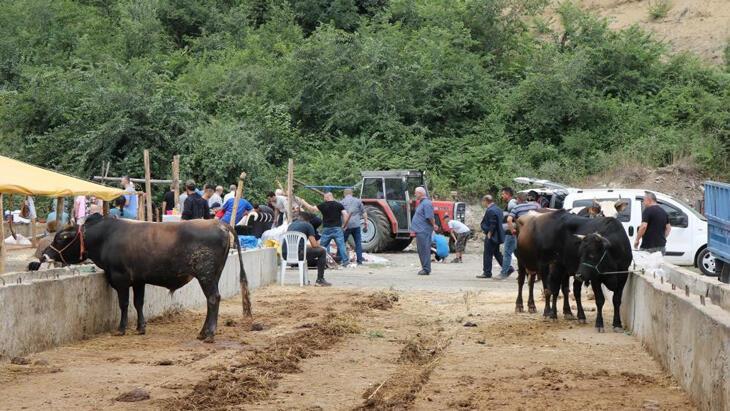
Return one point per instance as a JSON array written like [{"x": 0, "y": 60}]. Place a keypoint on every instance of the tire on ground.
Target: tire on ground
[
  {"x": 701, "y": 257},
  {"x": 399, "y": 244},
  {"x": 382, "y": 238}
]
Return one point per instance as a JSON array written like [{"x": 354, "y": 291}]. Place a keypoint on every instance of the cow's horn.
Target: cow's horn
[{"x": 580, "y": 236}]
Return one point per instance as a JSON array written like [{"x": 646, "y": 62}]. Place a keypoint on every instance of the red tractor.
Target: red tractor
[{"x": 390, "y": 203}]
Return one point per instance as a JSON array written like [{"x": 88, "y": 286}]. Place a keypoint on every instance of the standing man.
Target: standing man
[
  {"x": 168, "y": 200},
  {"x": 654, "y": 228},
  {"x": 510, "y": 241},
  {"x": 333, "y": 215},
  {"x": 130, "y": 199},
  {"x": 358, "y": 218},
  {"x": 423, "y": 225},
  {"x": 493, "y": 235},
  {"x": 316, "y": 254},
  {"x": 215, "y": 201},
  {"x": 196, "y": 207},
  {"x": 79, "y": 209},
  {"x": 460, "y": 233},
  {"x": 243, "y": 207}
]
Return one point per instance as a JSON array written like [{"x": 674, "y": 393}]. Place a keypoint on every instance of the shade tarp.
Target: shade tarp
[{"x": 17, "y": 177}]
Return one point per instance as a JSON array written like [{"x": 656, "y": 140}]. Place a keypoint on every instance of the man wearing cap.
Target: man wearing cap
[
  {"x": 423, "y": 225},
  {"x": 493, "y": 235}
]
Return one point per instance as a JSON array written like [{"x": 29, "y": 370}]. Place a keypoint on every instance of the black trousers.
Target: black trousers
[
  {"x": 317, "y": 257},
  {"x": 491, "y": 249}
]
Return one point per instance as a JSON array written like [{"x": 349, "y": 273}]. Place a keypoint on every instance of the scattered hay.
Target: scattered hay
[
  {"x": 420, "y": 350},
  {"x": 382, "y": 300},
  {"x": 136, "y": 395},
  {"x": 254, "y": 377}
]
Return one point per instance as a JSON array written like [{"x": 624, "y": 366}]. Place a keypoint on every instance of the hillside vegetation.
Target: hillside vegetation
[{"x": 473, "y": 91}]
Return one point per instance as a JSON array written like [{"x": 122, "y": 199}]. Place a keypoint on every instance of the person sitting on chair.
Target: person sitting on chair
[{"x": 316, "y": 255}]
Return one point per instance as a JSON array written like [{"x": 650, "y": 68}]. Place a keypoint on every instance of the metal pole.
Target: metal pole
[
  {"x": 59, "y": 213},
  {"x": 148, "y": 185}
]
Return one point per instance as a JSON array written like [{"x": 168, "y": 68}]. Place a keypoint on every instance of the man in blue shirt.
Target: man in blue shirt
[
  {"x": 493, "y": 235},
  {"x": 423, "y": 226},
  {"x": 243, "y": 207},
  {"x": 440, "y": 247},
  {"x": 130, "y": 197}
]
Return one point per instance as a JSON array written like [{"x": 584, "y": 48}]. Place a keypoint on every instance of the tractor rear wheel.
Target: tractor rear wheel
[{"x": 378, "y": 237}]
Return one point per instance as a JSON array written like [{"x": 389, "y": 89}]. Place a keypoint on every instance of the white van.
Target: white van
[{"x": 687, "y": 242}]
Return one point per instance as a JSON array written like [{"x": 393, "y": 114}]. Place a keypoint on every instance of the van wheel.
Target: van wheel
[{"x": 706, "y": 262}]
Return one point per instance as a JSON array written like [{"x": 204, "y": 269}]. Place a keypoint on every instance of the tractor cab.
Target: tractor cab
[{"x": 389, "y": 201}]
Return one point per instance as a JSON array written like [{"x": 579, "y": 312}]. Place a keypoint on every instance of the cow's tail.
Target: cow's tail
[{"x": 243, "y": 279}]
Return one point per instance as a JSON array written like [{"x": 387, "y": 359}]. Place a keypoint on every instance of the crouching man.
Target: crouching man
[{"x": 316, "y": 255}]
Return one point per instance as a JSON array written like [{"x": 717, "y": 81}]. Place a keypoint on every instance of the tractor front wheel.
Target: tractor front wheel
[{"x": 378, "y": 236}]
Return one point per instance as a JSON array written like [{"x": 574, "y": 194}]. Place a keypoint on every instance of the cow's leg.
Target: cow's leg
[
  {"x": 555, "y": 282},
  {"x": 565, "y": 286},
  {"x": 213, "y": 299},
  {"x": 600, "y": 299},
  {"x": 577, "y": 284},
  {"x": 519, "y": 307},
  {"x": 545, "y": 274},
  {"x": 123, "y": 295},
  {"x": 139, "y": 305},
  {"x": 617, "y": 291},
  {"x": 531, "y": 308}
]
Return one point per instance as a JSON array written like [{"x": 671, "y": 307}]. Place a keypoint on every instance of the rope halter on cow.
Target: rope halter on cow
[{"x": 82, "y": 247}]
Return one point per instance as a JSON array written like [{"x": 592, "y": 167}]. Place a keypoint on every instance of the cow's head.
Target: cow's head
[
  {"x": 593, "y": 252},
  {"x": 67, "y": 246}
]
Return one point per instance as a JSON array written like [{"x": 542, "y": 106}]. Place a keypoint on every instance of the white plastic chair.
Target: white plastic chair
[{"x": 292, "y": 240}]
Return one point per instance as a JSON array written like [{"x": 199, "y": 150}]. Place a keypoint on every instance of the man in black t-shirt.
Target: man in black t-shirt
[
  {"x": 316, "y": 255},
  {"x": 195, "y": 206},
  {"x": 654, "y": 228},
  {"x": 169, "y": 201},
  {"x": 334, "y": 221}
]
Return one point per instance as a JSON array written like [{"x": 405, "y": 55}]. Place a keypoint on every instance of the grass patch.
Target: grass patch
[
  {"x": 375, "y": 334},
  {"x": 658, "y": 9}
]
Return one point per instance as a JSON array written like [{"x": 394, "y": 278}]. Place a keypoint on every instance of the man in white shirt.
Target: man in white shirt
[
  {"x": 231, "y": 193},
  {"x": 460, "y": 233}
]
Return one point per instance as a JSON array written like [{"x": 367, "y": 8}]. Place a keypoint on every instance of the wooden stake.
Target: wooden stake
[
  {"x": 239, "y": 194},
  {"x": 33, "y": 220},
  {"x": 140, "y": 207},
  {"x": 176, "y": 179},
  {"x": 59, "y": 213},
  {"x": 2, "y": 236},
  {"x": 105, "y": 208},
  {"x": 290, "y": 190},
  {"x": 148, "y": 186}
]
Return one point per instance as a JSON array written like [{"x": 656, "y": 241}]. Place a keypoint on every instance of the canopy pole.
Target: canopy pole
[
  {"x": 59, "y": 213},
  {"x": 176, "y": 179},
  {"x": 148, "y": 185},
  {"x": 290, "y": 190},
  {"x": 105, "y": 208},
  {"x": 33, "y": 220},
  {"x": 2, "y": 236}
]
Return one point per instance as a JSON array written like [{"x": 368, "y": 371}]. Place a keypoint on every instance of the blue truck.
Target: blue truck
[{"x": 717, "y": 211}]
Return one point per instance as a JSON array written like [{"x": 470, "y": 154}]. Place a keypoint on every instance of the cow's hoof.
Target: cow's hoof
[
  {"x": 532, "y": 310},
  {"x": 141, "y": 331},
  {"x": 569, "y": 316},
  {"x": 618, "y": 329},
  {"x": 519, "y": 309},
  {"x": 600, "y": 329},
  {"x": 582, "y": 321},
  {"x": 200, "y": 336},
  {"x": 119, "y": 333},
  {"x": 209, "y": 339}
]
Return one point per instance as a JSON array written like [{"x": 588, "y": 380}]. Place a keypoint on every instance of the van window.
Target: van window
[
  {"x": 677, "y": 218},
  {"x": 624, "y": 216}
]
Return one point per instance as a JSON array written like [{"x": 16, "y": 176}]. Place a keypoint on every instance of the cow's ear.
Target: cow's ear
[
  {"x": 620, "y": 205},
  {"x": 580, "y": 236},
  {"x": 596, "y": 204}
]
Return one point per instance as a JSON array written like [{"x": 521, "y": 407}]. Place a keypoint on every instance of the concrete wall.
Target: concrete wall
[
  {"x": 44, "y": 309},
  {"x": 690, "y": 340}
]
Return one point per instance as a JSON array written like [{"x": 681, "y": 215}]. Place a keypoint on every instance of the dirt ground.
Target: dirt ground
[{"x": 350, "y": 348}]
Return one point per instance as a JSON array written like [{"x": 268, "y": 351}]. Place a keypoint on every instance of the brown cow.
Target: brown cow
[{"x": 168, "y": 255}]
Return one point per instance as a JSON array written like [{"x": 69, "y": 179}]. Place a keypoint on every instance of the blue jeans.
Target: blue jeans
[
  {"x": 356, "y": 234},
  {"x": 335, "y": 233},
  {"x": 510, "y": 243},
  {"x": 423, "y": 242}
]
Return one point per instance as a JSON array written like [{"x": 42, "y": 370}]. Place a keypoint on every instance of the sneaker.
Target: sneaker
[
  {"x": 423, "y": 272},
  {"x": 505, "y": 276},
  {"x": 322, "y": 283},
  {"x": 482, "y": 275}
]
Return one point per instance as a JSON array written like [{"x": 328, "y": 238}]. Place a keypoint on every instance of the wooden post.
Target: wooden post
[
  {"x": 2, "y": 236},
  {"x": 33, "y": 219},
  {"x": 140, "y": 206},
  {"x": 148, "y": 185},
  {"x": 239, "y": 194},
  {"x": 59, "y": 213},
  {"x": 176, "y": 179},
  {"x": 245, "y": 296},
  {"x": 290, "y": 190},
  {"x": 105, "y": 208}
]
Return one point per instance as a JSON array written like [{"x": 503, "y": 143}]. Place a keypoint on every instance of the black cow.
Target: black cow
[
  {"x": 168, "y": 255},
  {"x": 597, "y": 250}
]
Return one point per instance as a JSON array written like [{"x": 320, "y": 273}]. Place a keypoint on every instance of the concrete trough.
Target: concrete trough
[
  {"x": 686, "y": 326},
  {"x": 41, "y": 310}
]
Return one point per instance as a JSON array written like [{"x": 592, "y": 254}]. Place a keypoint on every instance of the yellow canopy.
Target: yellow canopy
[{"x": 17, "y": 177}]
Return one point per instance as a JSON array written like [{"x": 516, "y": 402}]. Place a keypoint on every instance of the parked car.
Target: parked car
[{"x": 687, "y": 242}]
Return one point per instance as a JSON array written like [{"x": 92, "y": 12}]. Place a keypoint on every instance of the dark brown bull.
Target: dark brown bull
[{"x": 133, "y": 254}]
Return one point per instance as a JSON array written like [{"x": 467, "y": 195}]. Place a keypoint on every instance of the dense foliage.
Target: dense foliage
[{"x": 473, "y": 91}]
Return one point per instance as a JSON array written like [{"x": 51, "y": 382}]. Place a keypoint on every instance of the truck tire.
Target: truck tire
[
  {"x": 399, "y": 244},
  {"x": 378, "y": 238},
  {"x": 706, "y": 262}
]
